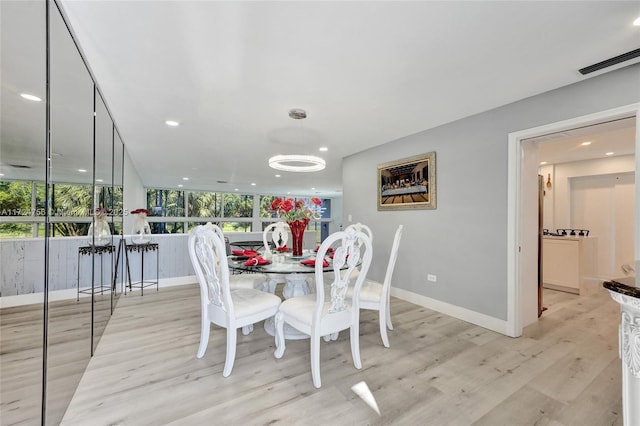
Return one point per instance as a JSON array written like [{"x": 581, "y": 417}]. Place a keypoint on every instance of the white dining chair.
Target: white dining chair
[
  {"x": 320, "y": 315},
  {"x": 278, "y": 234},
  {"x": 364, "y": 228},
  {"x": 245, "y": 280},
  {"x": 219, "y": 303},
  {"x": 377, "y": 296}
]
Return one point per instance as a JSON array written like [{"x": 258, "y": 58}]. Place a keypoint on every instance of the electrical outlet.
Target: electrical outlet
[{"x": 432, "y": 278}]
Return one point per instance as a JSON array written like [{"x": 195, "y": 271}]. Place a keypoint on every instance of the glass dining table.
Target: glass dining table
[
  {"x": 297, "y": 278},
  {"x": 282, "y": 264}
]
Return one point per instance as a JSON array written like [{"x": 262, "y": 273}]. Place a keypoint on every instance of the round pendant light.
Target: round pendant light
[{"x": 297, "y": 163}]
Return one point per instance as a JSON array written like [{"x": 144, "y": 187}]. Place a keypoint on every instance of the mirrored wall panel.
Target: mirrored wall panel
[
  {"x": 71, "y": 198},
  {"x": 60, "y": 214},
  {"x": 22, "y": 176}
]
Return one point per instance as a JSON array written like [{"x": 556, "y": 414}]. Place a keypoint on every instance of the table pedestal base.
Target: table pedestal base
[
  {"x": 290, "y": 333},
  {"x": 295, "y": 285}
]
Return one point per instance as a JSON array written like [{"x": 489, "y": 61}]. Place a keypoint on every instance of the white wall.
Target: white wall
[
  {"x": 464, "y": 240},
  {"x": 598, "y": 195}
]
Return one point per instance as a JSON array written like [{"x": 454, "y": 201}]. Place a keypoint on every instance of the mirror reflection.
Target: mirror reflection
[
  {"x": 52, "y": 313},
  {"x": 103, "y": 260},
  {"x": 71, "y": 183},
  {"x": 22, "y": 162}
]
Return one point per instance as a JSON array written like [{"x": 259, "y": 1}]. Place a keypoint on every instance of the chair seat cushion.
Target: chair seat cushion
[
  {"x": 248, "y": 301},
  {"x": 370, "y": 291},
  {"x": 301, "y": 308}
]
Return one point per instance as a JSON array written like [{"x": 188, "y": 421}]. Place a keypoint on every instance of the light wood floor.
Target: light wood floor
[
  {"x": 69, "y": 351},
  {"x": 439, "y": 370}
]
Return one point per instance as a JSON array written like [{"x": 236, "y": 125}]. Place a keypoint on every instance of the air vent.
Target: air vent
[
  {"x": 297, "y": 114},
  {"x": 222, "y": 181},
  {"x": 19, "y": 166},
  {"x": 610, "y": 62}
]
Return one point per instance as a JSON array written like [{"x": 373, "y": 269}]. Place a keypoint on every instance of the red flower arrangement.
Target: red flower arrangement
[{"x": 291, "y": 210}]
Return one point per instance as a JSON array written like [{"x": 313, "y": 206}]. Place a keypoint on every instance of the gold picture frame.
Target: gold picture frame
[{"x": 409, "y": 183}]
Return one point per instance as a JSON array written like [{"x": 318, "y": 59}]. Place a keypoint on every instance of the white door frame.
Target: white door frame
[{"x": 515, "y": 221}]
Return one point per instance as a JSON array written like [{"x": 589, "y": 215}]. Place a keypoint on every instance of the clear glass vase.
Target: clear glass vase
[
  {"x": 99, "y": 232},
  {"x": 141, "y": 233}
]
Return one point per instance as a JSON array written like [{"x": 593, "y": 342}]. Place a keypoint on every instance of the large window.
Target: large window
[
  {"x": 22, "y": 205},
  {"x": 231, "y": 211},
  {"x": 165, "y": 202},
  {"x": 22, "y": 208},
  {"x": 204, "y": 204}
]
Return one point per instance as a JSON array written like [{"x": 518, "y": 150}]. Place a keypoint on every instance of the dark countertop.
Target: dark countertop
[{"x": 627, "y": 286}]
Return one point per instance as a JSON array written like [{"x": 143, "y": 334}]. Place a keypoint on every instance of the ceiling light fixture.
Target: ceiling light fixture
[
  {"x": 253, "y": 184},
  {"x": 609, "y": 154},
  {"x": 82, "y": 170},
  {"x": 637, "y": 22},
  {"x": 293, "y": 162},
  {"x": 30, "y": 97},
  {"x": 297, "y": 163},
  {"x": 185, "y": 178},
  {"x": 585, "y": 144},
  {"x": 171, "y": 123},
  {"x": 323, "y": 149},
  {"x": 180, "y": 185},
  {"x": 542, "y": 163}
]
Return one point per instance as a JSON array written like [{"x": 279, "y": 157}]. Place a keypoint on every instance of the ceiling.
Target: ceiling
[
  {"x": 366, "y": 73},
  {"x": 608, "y": 139}
]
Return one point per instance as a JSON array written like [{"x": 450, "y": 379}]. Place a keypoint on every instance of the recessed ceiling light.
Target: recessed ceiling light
[
  {"x": 297, "y": 163},
  {"x": 313, "y": 189},
  {"x": 185, "y": 178},
  {"x": 324, "y": 149},
  {"x": 585, "y": 143},
  {"x": 235, "y": 189},
  {"x": 253, "y": 184},
  {"x": 288, "y": 192},
  {"x": 171, "y": 123},
  {"x": 82, "y": 170},
  {"x": 277, "y": 175},
  {"x": 542, "y": 163},
  {"x": 99, "y": 180},
  {"x": 180, "y": 185},
  {"x": 30, "y": 97},
  {"x": 637, "y": 22},
  {"x": 609, "y": 153},
  {"x": 1, "y": 174}
]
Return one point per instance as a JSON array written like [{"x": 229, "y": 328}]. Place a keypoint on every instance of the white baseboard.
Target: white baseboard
[
  {"x": 482, "y": 320},
  {"x": 71, "y": 293}
]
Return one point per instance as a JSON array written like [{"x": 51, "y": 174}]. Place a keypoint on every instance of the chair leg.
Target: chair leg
[
  {"x": 315, "y": 361},
  {"x": 383, "y": 327},
  {"x": 247, "y": 329},
  {"x": 388, "y": 315},
  {"x": 280, "y": 344},
  {"x": 232, "y": 334},
  {"x": 204, "y": 337},
  {"x": 355, "y": 345}
]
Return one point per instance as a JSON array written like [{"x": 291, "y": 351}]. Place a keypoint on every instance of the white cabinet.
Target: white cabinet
[{"x": 566, "y": 262}]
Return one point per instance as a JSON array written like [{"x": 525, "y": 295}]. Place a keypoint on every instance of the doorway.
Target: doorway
[{"x": 522, "y": 213}]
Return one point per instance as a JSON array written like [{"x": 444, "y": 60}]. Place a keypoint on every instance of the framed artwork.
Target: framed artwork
[{"x": 409, "y": 183}]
